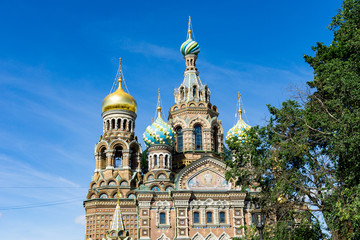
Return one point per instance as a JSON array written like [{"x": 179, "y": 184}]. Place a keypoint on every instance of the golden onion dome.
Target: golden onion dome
[{"x": 119, "y": 100}]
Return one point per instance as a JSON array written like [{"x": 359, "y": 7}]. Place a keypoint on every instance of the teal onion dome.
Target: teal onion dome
[
  {"x": 159, "y": 132},
  {"x": 189, "y": 47},
  {"x": 238, "y": 131}
]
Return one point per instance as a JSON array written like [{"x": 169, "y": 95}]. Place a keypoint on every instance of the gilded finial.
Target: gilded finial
[
  {"x": 239, "y": 102},
  {"x": 158, "y": 102},
  {"x": 189, "y": 29},
  {"x": 120, "y": 73},
  {"x": 118, "y": 195}
]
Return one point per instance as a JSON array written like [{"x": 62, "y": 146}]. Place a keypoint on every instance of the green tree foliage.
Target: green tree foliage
[{"x": 307, "y": 158}]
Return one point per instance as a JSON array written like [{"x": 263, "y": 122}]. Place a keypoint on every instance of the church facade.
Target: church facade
[{"x": 176, "y": 188}]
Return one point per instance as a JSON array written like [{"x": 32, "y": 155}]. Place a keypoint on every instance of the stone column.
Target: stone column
[
  {"x": 97, "y": 162},
  {"x": 144, "y": 216},
  {"x": 125, "y": 159},
  {"x": 238, "y": 206},
  {"x": 109, "y": 159}
]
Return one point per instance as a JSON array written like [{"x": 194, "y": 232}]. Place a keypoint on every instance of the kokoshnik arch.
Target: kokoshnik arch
[{"x": 182, "y": 192}]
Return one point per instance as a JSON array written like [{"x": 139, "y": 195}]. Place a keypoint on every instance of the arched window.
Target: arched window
[
  {"x": 124, "y": 184},
  {"x": 215, "y": 139},
  {"x": 102, "y": 158},
  {"x": 209, "y": 217},
  {"x": 182, "y": 93},
  {"x": 206, "y": 94},
  {"x": 103, "y": 195},
  {"x": 107, "y": 125},
  {"x": 194, "y": 91},
  {"x": 155, "y": 188},
  {"x": 155, "y": 160},
  {"x": 222, "y": 217},
  {"x": 196, "y": 218},
  {"x": 198, "y": 137},
  {"x": 129, "y": 126},
  {"x": 118, "y": 156},
  {"x": 124, "y": 125},
  {"x": 134, "y": 157},
  {"x": 166, "y": 161},
  {"x": 112, "y": 123},
  {"x": 119, "y": 123},
  {"x": 162, "y": 176},
  {"x": 162, "y": 218},
  {"x": 179, "y": 136}
]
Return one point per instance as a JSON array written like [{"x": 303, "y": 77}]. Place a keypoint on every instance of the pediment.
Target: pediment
[{"x": 207, "y": 173}]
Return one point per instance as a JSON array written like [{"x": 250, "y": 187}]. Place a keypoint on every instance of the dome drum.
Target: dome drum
[
  {"x": 120, "y": 112},
  {"x": 160, "y": 148}
]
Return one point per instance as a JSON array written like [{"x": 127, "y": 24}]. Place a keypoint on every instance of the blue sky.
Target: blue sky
[{"x": 58, "y": 61}]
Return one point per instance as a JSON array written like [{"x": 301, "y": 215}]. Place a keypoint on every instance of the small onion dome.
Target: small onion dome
[
  {"x": 119, "y": 100},
  {"x": 189, "y": 47},
  {"x": 159, "y": 132},
  {"x": 238, "y": 131}
]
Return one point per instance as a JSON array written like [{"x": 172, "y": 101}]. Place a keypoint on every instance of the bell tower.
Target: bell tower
[
  {"x": 117, "y": 163},
  {"x": 195, "y": 120}
]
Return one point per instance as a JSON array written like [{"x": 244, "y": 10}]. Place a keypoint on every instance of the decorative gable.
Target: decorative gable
[{"x": 207, "y": 173}]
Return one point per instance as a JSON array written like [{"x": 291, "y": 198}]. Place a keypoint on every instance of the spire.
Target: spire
[
  {"x": 189, "y": 46},
  {"x": 238, "y": 131},
  {"x": 117, "y": 223},
  {"x": 189, "y": 29},
  {"x": 239, "y": 102},
  {"x": 158, "y": 104},
  {"x": 120, "y": 74}
]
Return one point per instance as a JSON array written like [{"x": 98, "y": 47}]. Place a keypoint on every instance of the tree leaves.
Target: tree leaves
[{"x": 309, "y": 152}]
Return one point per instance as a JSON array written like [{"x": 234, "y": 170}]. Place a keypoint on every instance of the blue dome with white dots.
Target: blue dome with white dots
[{"x": 159, "y": 132}]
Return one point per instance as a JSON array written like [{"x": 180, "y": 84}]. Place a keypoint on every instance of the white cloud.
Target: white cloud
[
  {"x": 149, "y": 49},
  {"x": 80, "y": 220},
  {"x": 66, "y": 181}
]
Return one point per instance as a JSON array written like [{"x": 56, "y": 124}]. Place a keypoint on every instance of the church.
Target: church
[{"x": 176, "y": 188}]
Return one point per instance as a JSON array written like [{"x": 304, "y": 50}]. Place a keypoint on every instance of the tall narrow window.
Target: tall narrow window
[
  {"x": 103, "y": 158},
  {"x": 206, "y": 94},
  {"x": 119, "y": 123},
  {"x": 166, "y": 161},
  {"x": 118, "y": 156},
  {"x": 133, "y": 157},
  {"x": 107, "y": 125},
  {"x": 179, "y": 139},
  {"x": 215, "y": 139},
  {"x": 209, "y": 217},
  {"x": 162, "y": 218},
  {"x": 198, "y": 137},
  {"x": 222, "y": 217},
  {"x": 155, "y": 160},
  {"x": 130, "y": 123},
  {"x": 124, "y": 125},
  {"x": 182, "y": 93},
  {"x": 194, "y": 91},
  {"x": 112, "y": 123},
  {"x": 196, "y": 217}
]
